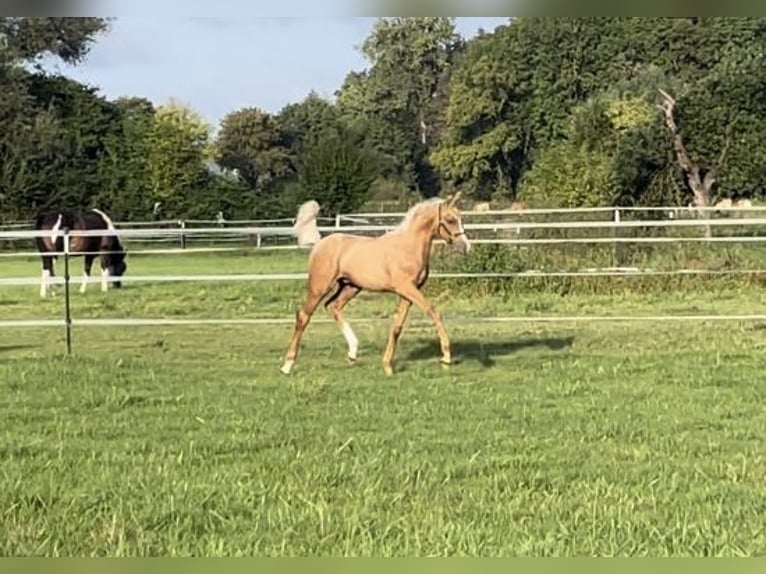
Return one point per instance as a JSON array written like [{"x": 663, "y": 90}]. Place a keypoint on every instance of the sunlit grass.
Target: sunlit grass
[{"x": 601, "y": 439}]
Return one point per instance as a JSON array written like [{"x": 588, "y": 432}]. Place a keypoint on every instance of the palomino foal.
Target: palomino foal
[{"x": 396, "y": 262}]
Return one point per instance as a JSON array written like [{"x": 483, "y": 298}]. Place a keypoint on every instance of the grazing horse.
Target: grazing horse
[
  {"x": 395, "y": 262},
  {"x": 108, "y": 247}
]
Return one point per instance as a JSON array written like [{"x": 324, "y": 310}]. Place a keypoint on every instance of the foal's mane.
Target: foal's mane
[{"x": 415, "y": 210}]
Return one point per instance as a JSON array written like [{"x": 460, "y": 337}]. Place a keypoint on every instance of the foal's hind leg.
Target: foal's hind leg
[
  {"x": 335, "y": 305},
  {"x": 302, "y": 318}
]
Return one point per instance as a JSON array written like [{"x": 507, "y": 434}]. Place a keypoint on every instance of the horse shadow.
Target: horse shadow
[
  {"x": 483, "y": 351},
  {"x": 12, "y": 348}
]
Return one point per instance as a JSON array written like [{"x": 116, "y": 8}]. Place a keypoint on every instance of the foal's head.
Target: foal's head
[
  {"x": 450, "y": 224},
  {"x": 437, "y": 218},
  {"x": 116, "y": 261}
]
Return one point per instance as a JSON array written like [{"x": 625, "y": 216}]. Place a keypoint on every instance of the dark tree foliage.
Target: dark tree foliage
[
  {"x": 337, "y": 173},
  {"x": 557, "y": 111}
]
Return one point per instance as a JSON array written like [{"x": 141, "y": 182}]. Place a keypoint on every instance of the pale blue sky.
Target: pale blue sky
[{"x": 220, "y": 63}]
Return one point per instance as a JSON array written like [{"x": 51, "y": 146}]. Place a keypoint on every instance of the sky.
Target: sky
[{"x": 217, "y": 64}]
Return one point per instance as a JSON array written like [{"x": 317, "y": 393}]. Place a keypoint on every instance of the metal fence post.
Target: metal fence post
[
  {"x": 67, "y": 299},
  {"x": 182, "y": 225},
  {"x": 617, "y": 251}
]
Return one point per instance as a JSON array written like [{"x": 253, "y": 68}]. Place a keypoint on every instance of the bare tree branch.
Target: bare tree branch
[
  {"x": 700, "y": 187},
  {"x": 709, "y": 179},
  {"x": 727, "y": 142},
  {"x": 667, "y": 106}
]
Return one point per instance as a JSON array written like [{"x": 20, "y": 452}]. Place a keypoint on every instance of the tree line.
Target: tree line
[{"x": 548, "y": 111}]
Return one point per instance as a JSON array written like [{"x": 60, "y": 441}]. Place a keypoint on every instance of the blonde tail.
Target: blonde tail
[{"x": 306, "y": 224}]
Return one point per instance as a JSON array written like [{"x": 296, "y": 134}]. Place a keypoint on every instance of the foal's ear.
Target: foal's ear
[{"x": 454, "y": 198}]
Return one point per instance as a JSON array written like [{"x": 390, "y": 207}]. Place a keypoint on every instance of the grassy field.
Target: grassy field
[{"x": 618, "y": 438}]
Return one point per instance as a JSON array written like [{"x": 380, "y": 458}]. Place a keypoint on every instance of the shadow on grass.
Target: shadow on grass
[
  {"x": 484, "y": 351},
  {"x": 12, "y": 348}
]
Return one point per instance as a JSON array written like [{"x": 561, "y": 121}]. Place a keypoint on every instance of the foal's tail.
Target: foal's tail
[{"x": 305, "y": 227}]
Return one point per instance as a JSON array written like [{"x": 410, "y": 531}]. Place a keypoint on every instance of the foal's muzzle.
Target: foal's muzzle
[{"x": 461, "y": 243}]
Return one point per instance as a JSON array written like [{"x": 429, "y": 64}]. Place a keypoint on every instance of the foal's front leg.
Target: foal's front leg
[
  {"x": 393, "y": 335},
  {"x": 413, "y": 294}
]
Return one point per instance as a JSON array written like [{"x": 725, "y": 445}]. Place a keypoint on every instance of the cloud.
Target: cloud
[
  {"x": 234, "y": 23},
  {"x": 214, "y": 22},
  {"x": 125, "y": 45}
]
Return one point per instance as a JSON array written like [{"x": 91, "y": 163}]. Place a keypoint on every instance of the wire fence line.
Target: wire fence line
[
  {"x": 245, "y": 277},
  {"x": 376, "y": 228},
  {"x": 288, "y": 230},
  {"x": 480, "y": 241},
  {"x": 464, "y": 319},
  {"x": 339, "y": 219},
  {"x": 459, "y": 320},
  {"x": 515, "y": 227},
  {"x": 277, "y": 233}
]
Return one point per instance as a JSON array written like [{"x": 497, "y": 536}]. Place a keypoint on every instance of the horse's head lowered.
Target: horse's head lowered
[
  {"x": 116, "y": 262},
  {"x": 450, "y": 224}
]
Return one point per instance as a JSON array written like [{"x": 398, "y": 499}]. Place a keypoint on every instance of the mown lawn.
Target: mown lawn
[{"x": 619, "y": 438}]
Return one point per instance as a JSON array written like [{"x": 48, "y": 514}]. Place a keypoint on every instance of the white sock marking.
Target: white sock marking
[
  {"x": 44, "y": 283},
  {"x": 351, "y": 340},
  {"x": 287, "y": 366},
  {"x": 84, "y": 285},
  {"x": 104, "y": 279}
]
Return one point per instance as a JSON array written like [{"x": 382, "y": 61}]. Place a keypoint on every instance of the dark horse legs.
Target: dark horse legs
[{"x": 47, "y": 273}]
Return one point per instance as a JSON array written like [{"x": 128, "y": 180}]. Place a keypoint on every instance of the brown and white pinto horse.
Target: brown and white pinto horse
[{"x": 107, "y": 247}]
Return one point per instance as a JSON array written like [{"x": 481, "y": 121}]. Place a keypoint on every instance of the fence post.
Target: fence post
[
  {"x": 67, "y": 299},
  {"x": 337, "y": 221},
  {"x": 182, "y": 225},
  {"x": 617, "y": 251}
]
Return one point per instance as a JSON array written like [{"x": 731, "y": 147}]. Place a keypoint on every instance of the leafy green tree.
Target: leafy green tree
[
  {"x": 304, "y": 122},
  {"x": 178, "y": 152},
  {"x": 31, "y": 139},
  {"x": 336, "y": 173},
  {"x": 396, "y": 102},
  {"x": 86, "y": 135},
  {"x": 252, "y": 142},
  {"x": 514, "y": 92},
  {"x": 613, "y": 152},
  {"x": 126, "y": 168},
  {"x": 26, "y": 40}
]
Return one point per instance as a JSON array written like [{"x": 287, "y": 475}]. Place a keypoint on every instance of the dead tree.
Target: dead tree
[{"x": 699, "y": 178}]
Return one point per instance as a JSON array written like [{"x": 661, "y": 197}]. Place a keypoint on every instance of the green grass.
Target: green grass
[{"x": 545, "y": 439}]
